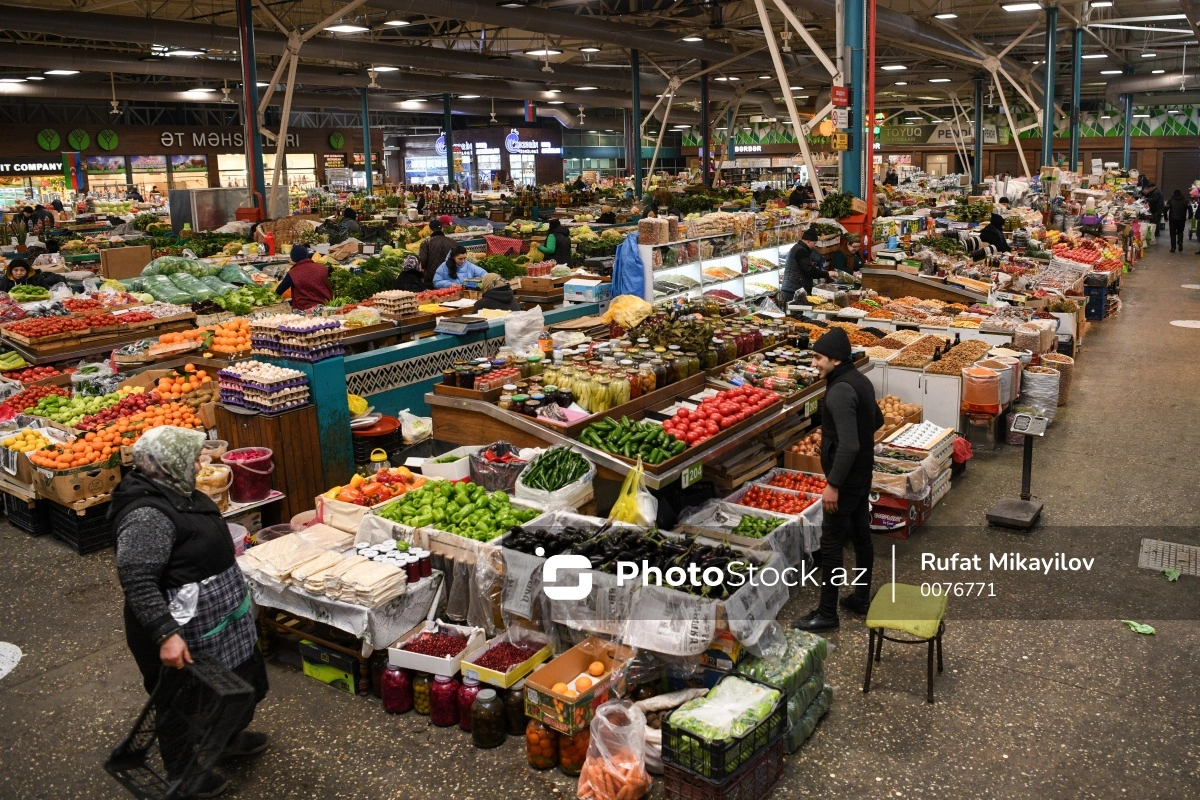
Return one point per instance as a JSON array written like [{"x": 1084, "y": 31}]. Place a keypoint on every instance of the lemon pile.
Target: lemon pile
[{"x": 26, "y": 441}]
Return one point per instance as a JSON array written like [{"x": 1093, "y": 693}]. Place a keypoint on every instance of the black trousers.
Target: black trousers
[
  {"x": 1177, "y": 226},
  {"x": 851, "y": 521}
]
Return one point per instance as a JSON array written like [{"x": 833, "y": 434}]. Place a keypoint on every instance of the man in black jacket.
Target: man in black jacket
[
  {"x": 433, "y": 250},
  {"x": 1154, "y": 203},
  {"x": 993, "y": 234},
  {"x": 803, "y": 267},
  {"x": 848, "y": 424}
]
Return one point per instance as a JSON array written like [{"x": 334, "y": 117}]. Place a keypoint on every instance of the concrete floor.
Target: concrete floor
[{"x": 1045, "y": 709}]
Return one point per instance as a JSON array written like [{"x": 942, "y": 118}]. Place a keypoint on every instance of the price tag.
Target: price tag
[
  {"x": 692, "y": 474},
  {"x": 368, "y": 249},
  {"x": 810, "y": 406}
]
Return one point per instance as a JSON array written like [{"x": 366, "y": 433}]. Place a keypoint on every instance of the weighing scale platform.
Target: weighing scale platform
[
  {"x": 460, "y": 325},
  {"x": 1022, "y": 513}
]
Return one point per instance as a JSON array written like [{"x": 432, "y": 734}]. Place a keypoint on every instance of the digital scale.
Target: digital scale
[
  {"x": 458, "y": 326},
  {"x": 1010, "y": 512}
]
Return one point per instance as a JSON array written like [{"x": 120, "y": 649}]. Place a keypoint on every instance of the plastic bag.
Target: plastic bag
[
  {"x": 635, "y": 504},
  {"x": 571, "y": 496},
  {"x": 192, "y": 285},
  {"x": 218, "y": 286},
  {"x": 729, "y": 711},
  {"x": 133, "y": 284},
  {"x": 804, "y": 655},
  {"x": 522, "y": 328},
  {"x": 1039, "y": 390},
  {"x": 615, "y": 764},
  {"x": 799, "y": 733},
  {"x": 653, "y": 708},
  {"x": 495, "y": 475},
  {"x": 804, "y": 695},
  {"x": 414, "y": 429},
  {"x": 232, "y": 273},
  {"x": 93, "y": 380},
  {"x": 162, "y": 289},
  {"x": 61, "y": 291}
]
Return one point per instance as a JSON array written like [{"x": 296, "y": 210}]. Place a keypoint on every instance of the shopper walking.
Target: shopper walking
[
  {"x": 848, "y": 424},
  {"x": 456, "y": 270},
  {"x": 1154, "y": 205},
  {"x": 1179, "y": 211},
  {"x": 308, "y": 281},
  {"x": 803, "y": 267},
  {"x": 173, "y": 549},
  {"x": 433, "y": 250}
]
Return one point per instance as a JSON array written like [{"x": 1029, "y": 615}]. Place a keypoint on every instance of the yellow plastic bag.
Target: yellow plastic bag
[{"x": 635, "y": 504}]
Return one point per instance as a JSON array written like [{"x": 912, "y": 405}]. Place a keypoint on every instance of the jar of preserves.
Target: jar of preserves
[
  {"x": 522, "y": 365},
  {"x": 572, "y": 751},
  {"x": 541, "y": 745},
  {"x": 514, "y": 708},
  {"x": 397, "y": 690},
  {"x": 466, "y": 696},
  {"x": 565, "y": 397},
  {"x": 693, "y": 362},
  {"x": 421, "y": 689},
  {"x": 672, "y": 365},
  {"x": 710, "y": 358},
  {"x": 531, "y": 408},
  {"x": 620, "y": 391},
  {"x": 647, "y": 377},
  {"x": 449, "y": 377},
  {"x": 660, "y": 372},
  {"x": 443, "y": 701},
  {"x": 505, "y": 402},
  {"x": 634, "y": 382},
  {"x": 518, "y": 403},
  {"x": 488, "y": 725},
  {"x": 602, "y": 397},
  {"x": 536, "y": 366},
  {"x": 550, "y": 374}
]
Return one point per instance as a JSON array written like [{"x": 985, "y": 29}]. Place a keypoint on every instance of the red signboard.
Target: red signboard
[{"x": 840, "y": 96}]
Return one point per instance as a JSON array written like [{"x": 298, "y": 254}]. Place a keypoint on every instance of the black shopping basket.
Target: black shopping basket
[{"x": 207, "y": 701}]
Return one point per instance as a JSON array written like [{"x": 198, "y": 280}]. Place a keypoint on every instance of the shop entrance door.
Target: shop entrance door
[{"x": 1177, "y": 169}]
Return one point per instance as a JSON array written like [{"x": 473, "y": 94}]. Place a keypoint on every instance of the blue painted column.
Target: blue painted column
[
  {"x": 1126, "y": 140},
  {"x": 634, "y": 157},
  {"x": 448, "y": 130},
  {"x": 854, "y": 26},
  {"x": 366, "y": 128},
  {"x": 1076, "y": 90},
  {"x": 730, "y": 155},
  {"x": 255, "y": 179},
  {"x": 705, "y": 130},
  {"x": 977, "y": 164},
  {"x": 1048, "y": 87}
]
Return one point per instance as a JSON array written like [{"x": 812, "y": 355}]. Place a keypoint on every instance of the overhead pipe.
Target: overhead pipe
[{"x": 1134, "y": 84}]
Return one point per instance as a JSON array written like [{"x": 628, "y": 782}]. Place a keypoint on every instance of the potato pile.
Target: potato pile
[
  {"x": 810, "y": 445},
  {"x": 893, "y": 406}
]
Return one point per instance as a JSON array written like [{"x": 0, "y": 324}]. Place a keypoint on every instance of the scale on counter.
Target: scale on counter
[
  {"x": 457, "y": 326},
  {"x": 1023, "y": 513}
]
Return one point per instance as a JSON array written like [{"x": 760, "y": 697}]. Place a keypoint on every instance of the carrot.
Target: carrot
[{"x": 626, "y": 793}]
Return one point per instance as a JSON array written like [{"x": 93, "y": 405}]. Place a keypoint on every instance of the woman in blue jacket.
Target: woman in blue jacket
[{"x": 456, "y": 269}]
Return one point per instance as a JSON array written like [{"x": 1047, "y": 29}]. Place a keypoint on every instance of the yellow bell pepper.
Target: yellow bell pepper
[
  {"x": 333, "y": 493},
  {"x": 357, "y": 480}
]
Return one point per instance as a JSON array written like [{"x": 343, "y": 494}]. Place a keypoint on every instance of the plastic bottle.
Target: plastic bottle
[{"x": 397, "y": 691}]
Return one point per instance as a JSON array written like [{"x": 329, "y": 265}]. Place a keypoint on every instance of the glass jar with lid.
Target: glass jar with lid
[
  {"x": 466, "y": 696},
  {"x": 488, "y": 724},
  {"x": 522, "y": 365},
  {"x": 693, "y": 363},
  {"x": 572, "y": 751},
  {"x": 536, "y": 366},
  {"x": 602, "y": 399},
  {"x": 647, "y": 377},
  {"x": 620, "y": 391},
  {"x": 550, "y": 373},
  {"x": 541, "y": 745},
  {"x": 711, "y": 357},
  {"x": 585, "y": 392},
  {"x": 397, "y": 690},
  {"x": 443, "y": 701},
  {"x": 660, "y": 372},
  {"x": 505, "y": 402},
  {"x": 672, "y": 365},
  {"x": 422, "y": 690},
  {"x": 514, "y": 708}
]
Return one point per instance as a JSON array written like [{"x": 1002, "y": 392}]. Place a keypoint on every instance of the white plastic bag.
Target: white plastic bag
[
  {"x": 569, "y": 497},
  {"x": 522, "y": 328},
  {"x": 654, "y": 706},
  {"x": 60, "y": 291},
  {"x": 615, "y": 764},
  {"x": 413, "y": 428}
]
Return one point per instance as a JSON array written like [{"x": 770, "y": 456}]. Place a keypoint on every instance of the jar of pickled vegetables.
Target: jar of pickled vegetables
[
  {"x": 541, "y": 745},
  {"x": 397, "y": 691},
  {"x": 572, "y": 751},
  {"x": 693, "y": 362},
  {"x": 443, "y": 701},
  {"x": 505, "y": 402},
  {"x": 466, "y": 696},
  {"x": 602, "y": 393},
  {"x": 621, "y": 392},
  {"x": 536, "y": 365},
  {"x": 514, "y": 709},
  {"x": 550, "y": 373},
  {"x": 421, "y": 689},
  {"x": 712, "y": 308},
  {"x": 647, "y": 377},
  {"x": 488, "y": 726},
  {"x": 660, "y": 372},
  {"x": 672, "y": 365}
]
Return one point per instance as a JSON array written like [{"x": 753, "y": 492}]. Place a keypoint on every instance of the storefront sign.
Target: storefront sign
[
  {"x": 747, "y": 148},
  {"x": 188, "y": 164},
  {"x": 514, "y": 144},
  {"x": 336, "y": 140},
  {"x": 934, "y": 134},
  {"x": 335, "y": 161},
  {"x": 148, "y": 163},
  {"x": 107, "y": 139},
  {"x": 106, "y": 165},
  {"x": 79, "y": 139},
  {"x": 48, "y": 139},
  {"x": 28, "y": 167},
  {"x": 358, "y": 160},
  {"x": 232, "y": 139}
]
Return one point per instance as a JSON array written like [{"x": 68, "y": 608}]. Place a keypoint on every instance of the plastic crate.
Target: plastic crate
[
  {"x": 34, "y": 520},
  {"x": 752, "y": 782},
  {"x": 1097, "y": 302},
  {"x": 718, "y": 761},
  {"x": 209, "y": 702},
  {"x": 84, "y": 532}
]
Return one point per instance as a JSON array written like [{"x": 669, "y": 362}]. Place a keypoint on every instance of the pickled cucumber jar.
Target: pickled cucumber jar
[
  {"x": 550, "y": 374},
  {"x": 621, "y": 391},
  {"x": 672, "y": 365},
  {"x": 711, "y": 358},
  {"x": 421, "y": 689},
  {"x": 488, "y": 725},
  {"x": 522, "y": 365},
  {"x": 541, "y": 745},
  {"x": 536, "y": 367},
  {"x": 693, "y": 363},
  {"x": 585, "y": 392}
]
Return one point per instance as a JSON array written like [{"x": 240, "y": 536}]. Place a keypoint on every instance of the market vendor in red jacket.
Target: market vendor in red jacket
[{"x": 308, "y": 280}]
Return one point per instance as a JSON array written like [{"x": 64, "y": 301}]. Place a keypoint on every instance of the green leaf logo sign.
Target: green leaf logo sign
[
  {"x": 336, "y": 140},
  {"x": 78, "y": 139},
  {"x": 47, "y": 139},
  {"x": 107, "y": 139}
]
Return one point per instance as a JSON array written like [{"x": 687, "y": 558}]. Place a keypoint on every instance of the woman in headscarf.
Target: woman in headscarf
[
  {"x": 184, "y": 592},
  {"x": 497, "y": 294},
  {"x": 412, "y": 276}
]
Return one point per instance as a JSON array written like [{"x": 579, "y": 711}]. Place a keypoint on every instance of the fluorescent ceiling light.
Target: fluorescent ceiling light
[
  {"x": 202, "y": 90},
  {"x": 693, "y": 39},
  {"x": 554, "y": 102},
  {"x": 347, "y": 27},
  {"x": 396, "y": 23},
  {"x": 554, "y": 91},
  {"x": 468, "y": 97},
  {"x": 592, "y": 49},
  {"x": 915, "y": 119},
  {"x": 1102, "y": 4},
  {"x": 35, "y": 78},
  {"x": 545, "y": 51},
  {"x": 512, "y": 5},
  {"x": 1149, "y": 55},
  {"x": 585, "y": 88},
  {"x": 945, "y": 16},
  {"x": 1095, "y": 55},
  {"x": 787, "y": 122},
  {"x": 939, "y": 80},
  {"x": 1157, "y": 71},
  {"x": 262, "y": 84},
  {"x": 764, "y": 77},
  {"x": 1106, "y": 116},
  {"x": 902, "y": 83},
  {"x": 1172, "y": 110},
  {"x": 722, "y": 79},
  {"x": 415, "y": 100},
  {"x": 796, "y": 88},
  {"x": 386, "y": 69},
  {"x": 12, "y": 80},
  {"x": 185, "y": 52},
  {"x": 609, "y": 130},
  {"x": 62, "y": 72},
  {"x": 1140, "y": 116},
  {"x": 1110, "y": 72},
  {"x": 1022, "y": 6},
  {"x": 893, "y": 67},
  {"x": 734, "y": 78}
]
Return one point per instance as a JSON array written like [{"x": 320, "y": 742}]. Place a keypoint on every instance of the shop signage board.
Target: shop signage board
[
  {"x": 358, "y": 161},
  {"x": 839, "y": 96},
  {"x": 29, "y": 166},
  {"x": 148, "y": 163},
  {"x": 189, "y": 163},
  {"x": 934, "y": 134},
  {"x": 692, "y": 474},
  {"x": 335, "y": 161},
  {"x": 516, "y": 145},
  {"x": 841, "y": 118},
  {"x": 106, "y": 165}
]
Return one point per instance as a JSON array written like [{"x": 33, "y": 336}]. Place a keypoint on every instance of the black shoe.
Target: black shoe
[
  {"x": 814, "y": 621},
  {"x": 856, "y": 604},
  {"x": 1172, "y": 249},
  {"x": 245, "y": 743},
  {"x": 210, "y": 784}
]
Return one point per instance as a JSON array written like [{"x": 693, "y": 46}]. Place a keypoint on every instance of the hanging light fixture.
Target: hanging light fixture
[
  {"x": 372, "y": 74},
  {"x": 225, "y": 98},
  {"x": 581, "y": 115},
  {"x": 116, "y": 107},
  {"x": 493, "y": 118}
]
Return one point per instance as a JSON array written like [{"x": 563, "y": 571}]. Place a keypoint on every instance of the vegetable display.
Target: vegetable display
[
  {"x": 436, "y": 644},
  {"x": 504, "y": 656},
  {"x": 27, "y": 293},
  {"x": 803, "y": 655},
  {"x": 771, "y": 500},
  {"x": 799, "y": 482},
  {"x": 378, "y": 488},
  {"x": 554, "y": 469},
  {"x": 836, "y": 205},
  {"x": 728, "y": 711},
  {"x": 756, "y": 527},
  {"x": 645, "y": 440},
  {"x": 41, "y": 327},
  {"x": 723, "y": 410},
  {"x": 29, "y": 397},
  {"x": 462, "y": 508},
  {"x": 69, "y": 411}
]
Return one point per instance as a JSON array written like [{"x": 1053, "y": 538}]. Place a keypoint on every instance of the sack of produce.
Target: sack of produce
[
  {"x": 217, "y": 285},
  {"x": 615, "y": 765},
  {"x": 799, "y": 732},
  {"x": 93, "y": 380},
  {"x": 169, "y": 265},
  {"x": 133, "y": 284},
  {"x": 558, "y": 478},
  {"x": 413, "y": 428},
  {"x": 497, "y": 466},
  {"x": 162, "y": 289},
  {"x": 802, "y": 697},
  {"x": 1039, "y": 390},
  {"x": 804, "y": 657},
  {"x": 191, "y": 285},
  {"x": 232, "y": 273}
]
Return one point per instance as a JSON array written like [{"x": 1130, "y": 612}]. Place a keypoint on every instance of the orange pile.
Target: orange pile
[
  {"x": 232, "y": 336},
  {"x": 79, "y": 453},
  {"x": 182, "y": 337},
  {"x": 173, "y": 385},
  {"x": 127, "y": 429}
]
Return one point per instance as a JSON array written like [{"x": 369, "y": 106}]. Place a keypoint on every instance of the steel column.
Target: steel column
[
  {"x": 730, "y": 151},
  {"x": 1076, "y": 89},
  {"x": 448, "y": 131},
  {"x": 1048, "y": 87},
  {"x": 254, "y": 159},
  {"x": 977, "y": 165},
  {"x": 366, "y": 128},
  {"x": 706, "y": 132},
  {"x": 635, "y": 157},
  {"x": 854, "y": 29},
  {"x": 1126, "y": 141}
]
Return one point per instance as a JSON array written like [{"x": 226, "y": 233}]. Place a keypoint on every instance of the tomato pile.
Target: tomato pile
[
  {"x": 799, "y": 482},
  {"x": 30, "y": 397},
  {"x": 105, "y": 320},
  {"x": 715, "y": 414},
  {"x": 80, "y": 304},
  {"x": 47, "y": 326},
  {"x": 771, "y": 500},
  {"x": 31, "y": 374},
  {"x": 130, "y": 317}
]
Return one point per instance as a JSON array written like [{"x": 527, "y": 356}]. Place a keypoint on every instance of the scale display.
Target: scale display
[{"x": 1029, "y": 425}]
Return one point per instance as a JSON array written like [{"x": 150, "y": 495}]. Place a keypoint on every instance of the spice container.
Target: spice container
[
  {"x": 397, "y": 691},
  {"x": 541, "y": 745},
  {"x": 514, "y": 708},
  {"x": 443, "y": 701},
  {"x": 487, "y": 720},
  {"x": 422, "y": 690},
  {"x": 466, "y": 697},
  {"x": 572, "y": 750}
]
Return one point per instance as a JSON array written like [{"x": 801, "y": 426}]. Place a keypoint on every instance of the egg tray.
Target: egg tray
[
  {"x": 307, "y": 330},
  {"x": 278, "y": 406},
  {"x": 276, "y": 386},
  {"x": 313, "y": 354},
  {"x": 319, "y": 339},
  {"x": 272, "y": 399}
]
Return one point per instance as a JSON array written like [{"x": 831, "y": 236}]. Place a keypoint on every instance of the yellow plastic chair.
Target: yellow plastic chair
[{"x": 918, "y": 618}]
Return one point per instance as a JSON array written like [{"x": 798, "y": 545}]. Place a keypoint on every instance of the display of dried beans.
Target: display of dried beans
[
  {"x": 505, "y": 656},
  {"x": 926, "y": 345},
  {"x": 438, "y": 645}
]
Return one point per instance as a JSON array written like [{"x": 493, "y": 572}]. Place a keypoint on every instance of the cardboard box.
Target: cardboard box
[
  {"x": 572, "y": 716},
  {"x": 399, "y": 657},
  {"x": 71, "y": 485},
  {"x": 329, "y": 666},
  {"x": 504, "y": 679},
  {"x": 898, "y": 517},
  {"x": 802, "y": 463},
  {"x": 858, "y": 206},
  {"x": 586, "y": 291},
  {"x": 724, "y": 652},
  {"x": 124, "y": 262}
]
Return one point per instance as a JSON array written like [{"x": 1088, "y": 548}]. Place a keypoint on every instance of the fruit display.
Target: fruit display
[
  {"x": 125, "y": 430},
  {"x": 28, "y": 293},
  {"x": 504, "y": 656},
  {"x": 756, "y": 527},
  {"x": 25, "y": 441},
  {"x": 799, "y": 482},
  {"x": 645, "y": 440},
  {"x": 438, "y": 644},
  {"x": 68, "y": 411},
  {"x": 131, "y": 403},
  {"x": 230, "y": 337},
  {"x": 41, "y": 327},
  {"x": 175, "y": 384},
  {"x": 810, "y": 445},
  {"x": 714, "y": 414},
  {"x": 31, "y": 374},
  {"x": 79, "y": 453},
  {"x": 378, "y": 488},
  {"x": 136, "y": 316},
  {"x": 27, "y": 398},
  {"x": 463, "y": 508},
  {"x": 12, "y": 361},
  {"x": 893, "y": 406},
  {"x": 772, "y": 500}
]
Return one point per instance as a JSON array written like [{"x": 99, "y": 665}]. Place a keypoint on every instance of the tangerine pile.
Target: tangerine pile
[
  {"x": 183, "y": 337},
  {"x": 96, "y": 446},
  {"x": 232, "y": 336},
  {"x": 173, "y": 385},
  {"x": 79, "y": 453}
]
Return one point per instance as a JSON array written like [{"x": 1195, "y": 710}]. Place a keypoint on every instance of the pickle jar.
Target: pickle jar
[
  {"x": 620, "y": 391},
  {"x": 572, "y": 751},
  {"x": 634, "y": 382},
  {"x": 672, "y": 365},
  {"x": 514, "y": 709},
  {"x": 522, "y": 365},
  {"x": 550, "y": 373},
  {"x": 566, "y": 397},
  {"x": 488, "y": 724},
  {"x": 422, "y": 691},
  {"x": 711, "y": 357},
  {"x": 443, "y": 701},
  {"x": 535, "y": 365},
  {"x": 602, "y": 397},
  {"x": 647, "y": 377},
  {"x": 466, "y": 696},
  {"x": 541, "y": 745},
  {"x": 660, "y": 372},
  {"x": 693, "y": 362},
  {"x": 505, "y": 402}
]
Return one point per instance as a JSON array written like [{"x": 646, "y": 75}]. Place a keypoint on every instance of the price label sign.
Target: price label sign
[
  {"x": 839, "y": 96},
  {"x": 692, "y": 474},
  {"x": 810, "y": 406}
]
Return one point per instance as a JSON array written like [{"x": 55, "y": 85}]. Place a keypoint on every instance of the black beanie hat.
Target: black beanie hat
[
  {"x": 809, "y": 235},
  {"x": 834, "y": 344},
  {"x": 998, "y": 220}
]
